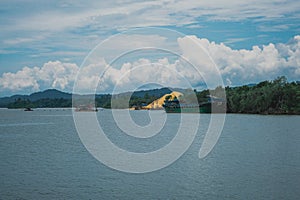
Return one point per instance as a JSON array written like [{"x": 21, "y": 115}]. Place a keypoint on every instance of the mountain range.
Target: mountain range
[{"x": 56, "y": 94}]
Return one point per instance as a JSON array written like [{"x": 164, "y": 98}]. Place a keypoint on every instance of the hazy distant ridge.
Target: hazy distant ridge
[{"x": 56, "y": 94}]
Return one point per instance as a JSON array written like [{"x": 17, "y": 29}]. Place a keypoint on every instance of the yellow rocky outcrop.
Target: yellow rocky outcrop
[{"x": 157, "y": 104}]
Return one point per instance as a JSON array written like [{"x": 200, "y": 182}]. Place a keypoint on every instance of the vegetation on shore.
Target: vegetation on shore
[{"x": 268, "y": 97}]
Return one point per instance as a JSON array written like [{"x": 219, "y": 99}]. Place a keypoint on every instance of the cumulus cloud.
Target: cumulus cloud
[
  {"x": 51, "y": 75},
  {"x": 209, "y": 59},
  {"x": 240, "y": 66},
  {"x": 26, "y": 78},
  {"x": 201, "y": 61},
  {"x": 133, "y": 75}
]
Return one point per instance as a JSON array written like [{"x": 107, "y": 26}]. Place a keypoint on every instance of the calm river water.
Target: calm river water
[{"x": 42, "y": 157}]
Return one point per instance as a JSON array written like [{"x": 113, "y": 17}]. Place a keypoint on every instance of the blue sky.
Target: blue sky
[{"x": 53, "y": 36}]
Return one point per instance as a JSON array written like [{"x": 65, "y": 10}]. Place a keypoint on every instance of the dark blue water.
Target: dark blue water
[{"x": 42, "y": 157}]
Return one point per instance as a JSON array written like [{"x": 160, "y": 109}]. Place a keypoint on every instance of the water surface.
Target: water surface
[{"x": 42, "y": 157}]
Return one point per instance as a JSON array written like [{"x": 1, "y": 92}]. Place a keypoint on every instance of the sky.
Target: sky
[{"x": 44, "y": 44}]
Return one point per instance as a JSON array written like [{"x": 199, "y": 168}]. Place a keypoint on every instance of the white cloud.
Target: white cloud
[
  {"x": 234, "y": 40},
  {"x": 26, "y": 78},
  {"x": 235, "y": 66},
  {"x": 57, "y": 74},
  {"x": 89, "y": 77},
  {"x": 127, "y": 14},
  {"x": 19, "y": 40},
  {"x": 50, "y": 75},
  {"x": 46, "y": 29},
  {"x": 240, "y": 66},
  {"x": 143, "y": 72}
]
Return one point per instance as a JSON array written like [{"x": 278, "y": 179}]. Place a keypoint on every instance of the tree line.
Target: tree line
[{"x": 268, "y": 97}]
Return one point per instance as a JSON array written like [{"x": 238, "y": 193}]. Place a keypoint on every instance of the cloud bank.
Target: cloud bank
[
  {"x": 236, "y": 67},
  {"x": 246, "y": 66},
  {"x": 51, "y": 75}
]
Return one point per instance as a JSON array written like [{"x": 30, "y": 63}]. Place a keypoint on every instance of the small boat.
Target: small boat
[
  {"x": 86, "y": 108},
  {"x": 28, "y": 109}
]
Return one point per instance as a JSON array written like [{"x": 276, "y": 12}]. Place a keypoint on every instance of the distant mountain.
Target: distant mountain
[
  {"x": 56, "y": 94},
  {"x": 47, "y": 94},
  {"x": 50, "y": 94},
  {"x": 267, "y": 97},
  {"x": 152, "y": 92}
]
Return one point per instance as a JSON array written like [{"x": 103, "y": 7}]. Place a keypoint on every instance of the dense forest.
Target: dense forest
[
  {"x": 104, "y": 101},
  {"x": 41, "y": 103},
  {"x": 268, "y": 97}
]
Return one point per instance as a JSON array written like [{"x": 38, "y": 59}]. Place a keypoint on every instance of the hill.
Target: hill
[
  {"x": 53, "y": 98},
  {"x": 47, "y": 94},
  {"x": 267, "y": 97}
]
